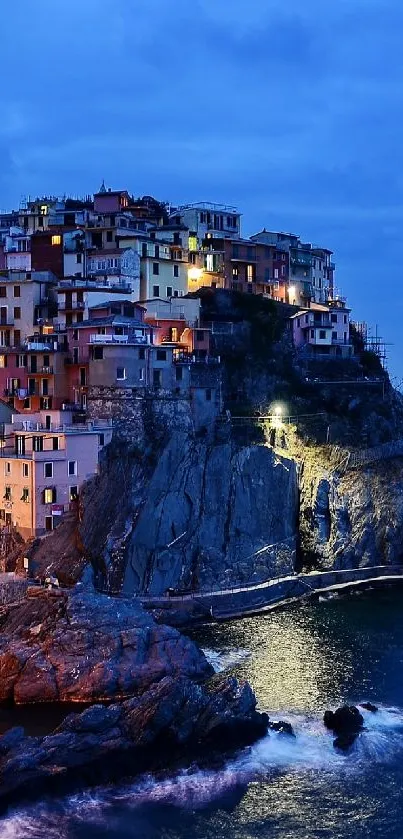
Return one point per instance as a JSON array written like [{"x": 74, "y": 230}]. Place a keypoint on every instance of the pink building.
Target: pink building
[
  {"x": 43, "y": 463},
  {"x": 323, "y": 330}
]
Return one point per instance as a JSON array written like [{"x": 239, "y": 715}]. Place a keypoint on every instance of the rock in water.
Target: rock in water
[
  {"x": 346, "y": 722},
  {"x": 175, "y": 719},
  {"x": 282, "y": 727},
  {"x": 369, "y": 707}
]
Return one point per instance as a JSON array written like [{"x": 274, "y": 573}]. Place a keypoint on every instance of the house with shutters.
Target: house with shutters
[{"x": 44, "y": 460}]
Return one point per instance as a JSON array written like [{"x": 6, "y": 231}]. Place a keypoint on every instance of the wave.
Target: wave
[
  {"x": 222, "y": 660},
  {"x": 194, "y": 788}
]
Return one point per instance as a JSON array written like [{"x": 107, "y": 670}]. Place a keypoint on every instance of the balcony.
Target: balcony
[
  {"x": 131, "y": 338},
  {"x": 69, "y": 306},
  {"x": 180, "y": 357}
]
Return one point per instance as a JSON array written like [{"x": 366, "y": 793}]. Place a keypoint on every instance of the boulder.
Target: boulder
[
  {"x": 368, "y": 706},
  {"x": 282, "y": 727},
  {"x": 88, "y": 647},
  {"x": 346, "y": 722}
]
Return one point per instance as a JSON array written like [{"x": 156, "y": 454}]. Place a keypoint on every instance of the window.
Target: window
[
  {"x": 141, "y": 374},
  {"x": 7, "y": 493},
  {"x": 7, "y": 468},
  {"x": 83, "y": 376},
  {"x": 19, "y": 444},
  {"x": 157, "y": 255},
  {"x": 169, "y": 291},
  {"x": 45, "y": 387},
  {"x": 102, "y": 439},
  {"x": 322, "y": 334},
  {"x": 109, "y": 236},
  {"x": 276, "y": 274},
  {"x": 312, "y": 333},
  {"x": 121, "y": 374},
  {"x": 37, "y": 444},
  {"x": 75, "y": 334},
  {"x": 49, "y": 495},
  {"x": 142, "y": 353},
  {"x": 157, "y": 378},
  {"x": 144, "y": 249},
  {"x": 17, "y": 312},
  {"x": 333, "y": 318},
  {"x": 156, "y": 291},
  {"x": 55, "y": 444},
  {"x": 25, "y": 470},
  {"x": 208, "y": 394},
  {"x": 79, "y": 258},
  {"x": 334, "y": 335},
  {"x": 156, "y": 268},
  {"x": 21, "y": 360},
  {"x": 176, "y": 270},
  {"x": 161, "y": 355},
  {"x": 249, "y": 273},
  {"x": 48, "y": 470},
  {"x": 56, "y": 240},
  {"x": 25, "y": 495},
  {"x": 80, "y": 317},
  {"x": 3, "y": 291},
  {"x": 72, "y": 467},
  {"x": 17, "y": 291},
  {"x": 3, "y": 361},
  {"x": 73, "y": 493},
  {"x": 345, "y": 319},
  {"x": 98, "y": 353},
  {"x": 27, "y": 404},
  {"x": 179, "y": 374}
]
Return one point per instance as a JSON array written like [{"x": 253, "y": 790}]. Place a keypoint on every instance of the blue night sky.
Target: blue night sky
[{"x": 289, "y": 110}]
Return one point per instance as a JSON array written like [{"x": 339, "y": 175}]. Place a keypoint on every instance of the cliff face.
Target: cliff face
[
  {"x": 354, "y": 520},
  {"x": 209, "y": 515}
]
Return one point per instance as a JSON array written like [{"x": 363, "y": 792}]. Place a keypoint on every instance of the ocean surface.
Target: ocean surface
[{"x": 300, "y": 662}]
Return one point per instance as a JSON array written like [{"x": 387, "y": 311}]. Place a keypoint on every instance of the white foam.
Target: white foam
[{"x": 222, "y": 660}]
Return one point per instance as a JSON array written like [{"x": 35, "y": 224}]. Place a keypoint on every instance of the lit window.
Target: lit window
[
  {"x": 56, "y": 240},
  {"x": 48, "y": 495},
  {"x": 249, "y": 273},
  {"x": 44, "y": 210},
  {"x": 3, "y": 361}
]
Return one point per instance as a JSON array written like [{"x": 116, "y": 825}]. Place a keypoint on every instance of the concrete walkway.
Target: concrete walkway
[{"x": 241, "y": 601}]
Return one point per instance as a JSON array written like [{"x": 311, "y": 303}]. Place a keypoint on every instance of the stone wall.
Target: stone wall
[{"x": 139, "y": 416}]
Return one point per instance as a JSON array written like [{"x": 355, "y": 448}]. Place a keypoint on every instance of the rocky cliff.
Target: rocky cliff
[
  {"x": 354, "y": 519},
  {"x": 209, "y": 515}
]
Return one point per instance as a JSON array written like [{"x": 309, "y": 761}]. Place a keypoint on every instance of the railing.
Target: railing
[
  {"x": 64, "y": 305},
  {"x": 119, "y": 339}
]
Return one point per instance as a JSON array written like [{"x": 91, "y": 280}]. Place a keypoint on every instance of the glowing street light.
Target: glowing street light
[{"x": 278, "y": 411}]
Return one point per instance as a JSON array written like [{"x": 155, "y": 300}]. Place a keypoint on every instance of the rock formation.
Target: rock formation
[
  {"x": 86, "y": 647},
  {"x": 208, "y": 513},
  {"x": 173, "y": 719}
]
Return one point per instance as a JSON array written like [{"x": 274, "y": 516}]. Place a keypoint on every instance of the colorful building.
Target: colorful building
[{"x": 44, "y": 460}]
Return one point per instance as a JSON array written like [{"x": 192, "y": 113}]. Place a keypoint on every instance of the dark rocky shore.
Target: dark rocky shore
[{"x": 84, "y": 647}]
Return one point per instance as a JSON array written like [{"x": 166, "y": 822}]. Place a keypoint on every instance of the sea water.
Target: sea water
[{"x": 300, "y": 661}]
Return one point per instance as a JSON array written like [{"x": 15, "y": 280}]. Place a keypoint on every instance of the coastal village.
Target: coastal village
[{"x": 101, "y": 298}]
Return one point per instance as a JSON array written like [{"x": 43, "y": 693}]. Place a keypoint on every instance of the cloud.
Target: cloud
[{"x": 291, "y": 110}]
